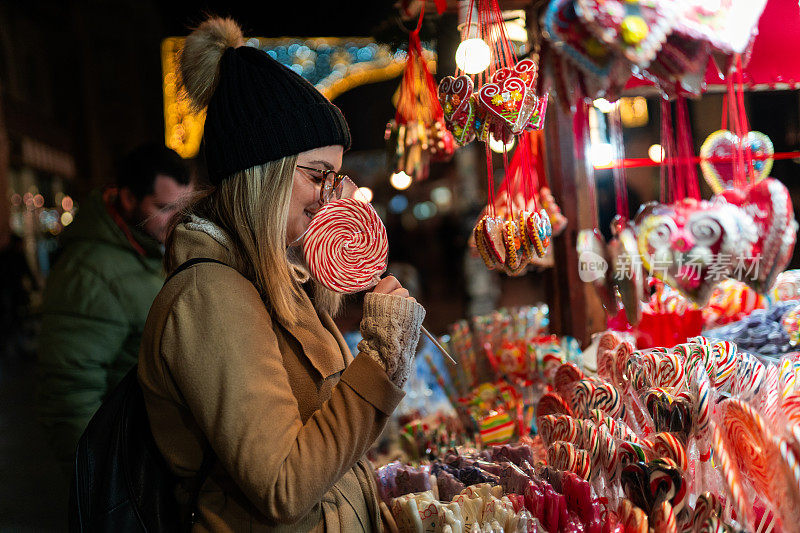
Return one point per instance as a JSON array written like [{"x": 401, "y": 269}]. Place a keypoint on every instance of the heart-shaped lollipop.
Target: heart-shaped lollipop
[
  {"x": 647, "y": 484},
  {"x": 770, "y": 206},
  {"x": 691, "y": 245},
  {"x": 718, "y": 152}
]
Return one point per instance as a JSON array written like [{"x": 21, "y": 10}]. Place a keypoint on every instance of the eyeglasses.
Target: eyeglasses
[{"x": 331, "y": 183}]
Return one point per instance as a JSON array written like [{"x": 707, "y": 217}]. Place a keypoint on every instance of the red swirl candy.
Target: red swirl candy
[{"x": 345, "y": 247}]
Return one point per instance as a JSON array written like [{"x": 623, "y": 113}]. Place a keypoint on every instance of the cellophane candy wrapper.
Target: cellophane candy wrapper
[
  {"x": 661, "y": 329},
  {"x": 759, "y": 333}
]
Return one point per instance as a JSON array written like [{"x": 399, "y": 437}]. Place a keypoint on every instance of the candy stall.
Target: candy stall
[{"x": 683, "y": 413}]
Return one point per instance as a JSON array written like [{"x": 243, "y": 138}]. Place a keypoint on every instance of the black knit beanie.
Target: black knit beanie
[{"x": 260, "y": 110}]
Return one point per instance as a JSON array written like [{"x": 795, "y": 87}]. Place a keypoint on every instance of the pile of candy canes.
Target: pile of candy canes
[{"x": 699, "y": 437}]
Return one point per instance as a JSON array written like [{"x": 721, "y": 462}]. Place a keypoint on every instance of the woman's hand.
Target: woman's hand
[{"x": 390, "y": 285}]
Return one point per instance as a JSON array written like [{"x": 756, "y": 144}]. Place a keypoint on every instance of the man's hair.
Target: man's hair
[{"x": 137, "y": 171}]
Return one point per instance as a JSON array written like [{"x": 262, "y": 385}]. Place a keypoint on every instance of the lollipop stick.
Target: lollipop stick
[{"x": 436, "y": 342}]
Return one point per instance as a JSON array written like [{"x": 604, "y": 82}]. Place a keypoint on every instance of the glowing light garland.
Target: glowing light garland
[{"x": 333, "y": 64}]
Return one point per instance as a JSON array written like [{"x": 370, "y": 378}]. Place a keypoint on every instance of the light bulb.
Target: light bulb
[
  {"x": 498, "y": 146},
  {"x": 473, "y": 55},
  {"x": 364, "y": 194},
  {"x": 602, "y": 155},
  {"x": 400, "y": 181},
  {"x": 604, "y": 106},
  {"x": 656, "y": 153}
]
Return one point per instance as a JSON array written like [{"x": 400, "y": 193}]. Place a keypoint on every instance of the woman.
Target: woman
[{"x": 241, "y": 361}]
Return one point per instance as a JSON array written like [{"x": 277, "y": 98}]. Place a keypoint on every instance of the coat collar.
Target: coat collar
[
  {"x": 320, "y": 339},
  {"x": 322, "y": 343}
]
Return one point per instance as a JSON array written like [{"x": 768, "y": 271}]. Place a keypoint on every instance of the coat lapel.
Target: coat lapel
[{"x": 321, "y": 341}]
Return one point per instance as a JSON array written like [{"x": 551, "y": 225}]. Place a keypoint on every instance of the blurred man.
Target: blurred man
[{"x": 100, "y": 291}]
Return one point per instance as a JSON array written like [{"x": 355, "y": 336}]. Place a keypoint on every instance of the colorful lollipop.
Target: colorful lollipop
[
  {"x": 345, "y": 247},
  {"x": 731, "y": 476}
]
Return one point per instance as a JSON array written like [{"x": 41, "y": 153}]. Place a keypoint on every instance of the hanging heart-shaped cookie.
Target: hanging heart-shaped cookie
[
  {"x": 770, "y": 206},
  {"x": 718, "y": 152},
  {"x": 728, "y": 25},
  {"x": 568, "y": 32},
  {"x": 510, "y": 101},
  {"x": 493, "y": 234},
  {"x": 458, "y": 106},
  {"x": 525, "y": 69},
  {"x": 636, "y": 28}
]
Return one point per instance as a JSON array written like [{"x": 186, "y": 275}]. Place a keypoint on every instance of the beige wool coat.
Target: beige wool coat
[{"x": 287, "y": 411}]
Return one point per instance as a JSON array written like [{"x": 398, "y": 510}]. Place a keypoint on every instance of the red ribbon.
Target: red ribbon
[{"x": 635, "y": 162}]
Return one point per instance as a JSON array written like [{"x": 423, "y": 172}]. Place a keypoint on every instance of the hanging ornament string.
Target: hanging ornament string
[
  {"x": 669, "y": 192},
  {"x": 580, "y": 131},
  {"x": 532, "y": 170},
  {"x": 520, "y": 179},
  {"x": 493, "y": 33},
  {"x": 417, "y": 99},
  {"x": 618, "y": 172},
  {"x": 743, "y": 120},
  {"x": 739, "y": 179},
  {"x": 685, "y": 147},
  {"x": 513, "y": 190},
  {"x": 490, "y": 179}
]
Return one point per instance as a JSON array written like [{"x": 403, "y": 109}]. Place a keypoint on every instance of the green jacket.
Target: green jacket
[{"x": 93, "y": 313}]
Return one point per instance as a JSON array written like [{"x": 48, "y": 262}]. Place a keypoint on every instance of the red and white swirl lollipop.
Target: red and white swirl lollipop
[
  {"x": 346, "y": 249},
  {"x": 345, "y": 246}
]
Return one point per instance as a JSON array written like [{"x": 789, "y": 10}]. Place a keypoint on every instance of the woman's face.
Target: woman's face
[{"x": 304, "y": 202}]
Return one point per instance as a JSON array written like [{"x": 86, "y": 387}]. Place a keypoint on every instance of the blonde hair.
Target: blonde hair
[
  {"x": 252, "y": 205},
  {"x": 252, "y": 208}
]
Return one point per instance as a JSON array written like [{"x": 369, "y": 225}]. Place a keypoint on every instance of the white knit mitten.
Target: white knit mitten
[{"x": 390, "y": 328}]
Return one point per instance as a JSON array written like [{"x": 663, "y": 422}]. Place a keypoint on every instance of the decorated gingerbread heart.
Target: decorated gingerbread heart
[
  {"x": 525, "y": 69},
  {"x": 536, "y": 121},
  {"x": 570, "y": 35},
  {"x": 770, "y": 206},
  {"x": 493, "y": 235},
  {"x": 690, "y": 245},
  {"x": 458, "y": 106},
  {"x": 728, "y": 25},
  {"x": 719, "y": 150},
  {"x": 510, "y": 101},
  {"x": 637, "y": 28}
]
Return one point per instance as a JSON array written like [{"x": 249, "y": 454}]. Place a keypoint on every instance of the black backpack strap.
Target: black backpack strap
[
  {"x": 191, "y": 262},
  {"x": 209, "y": 456}
]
